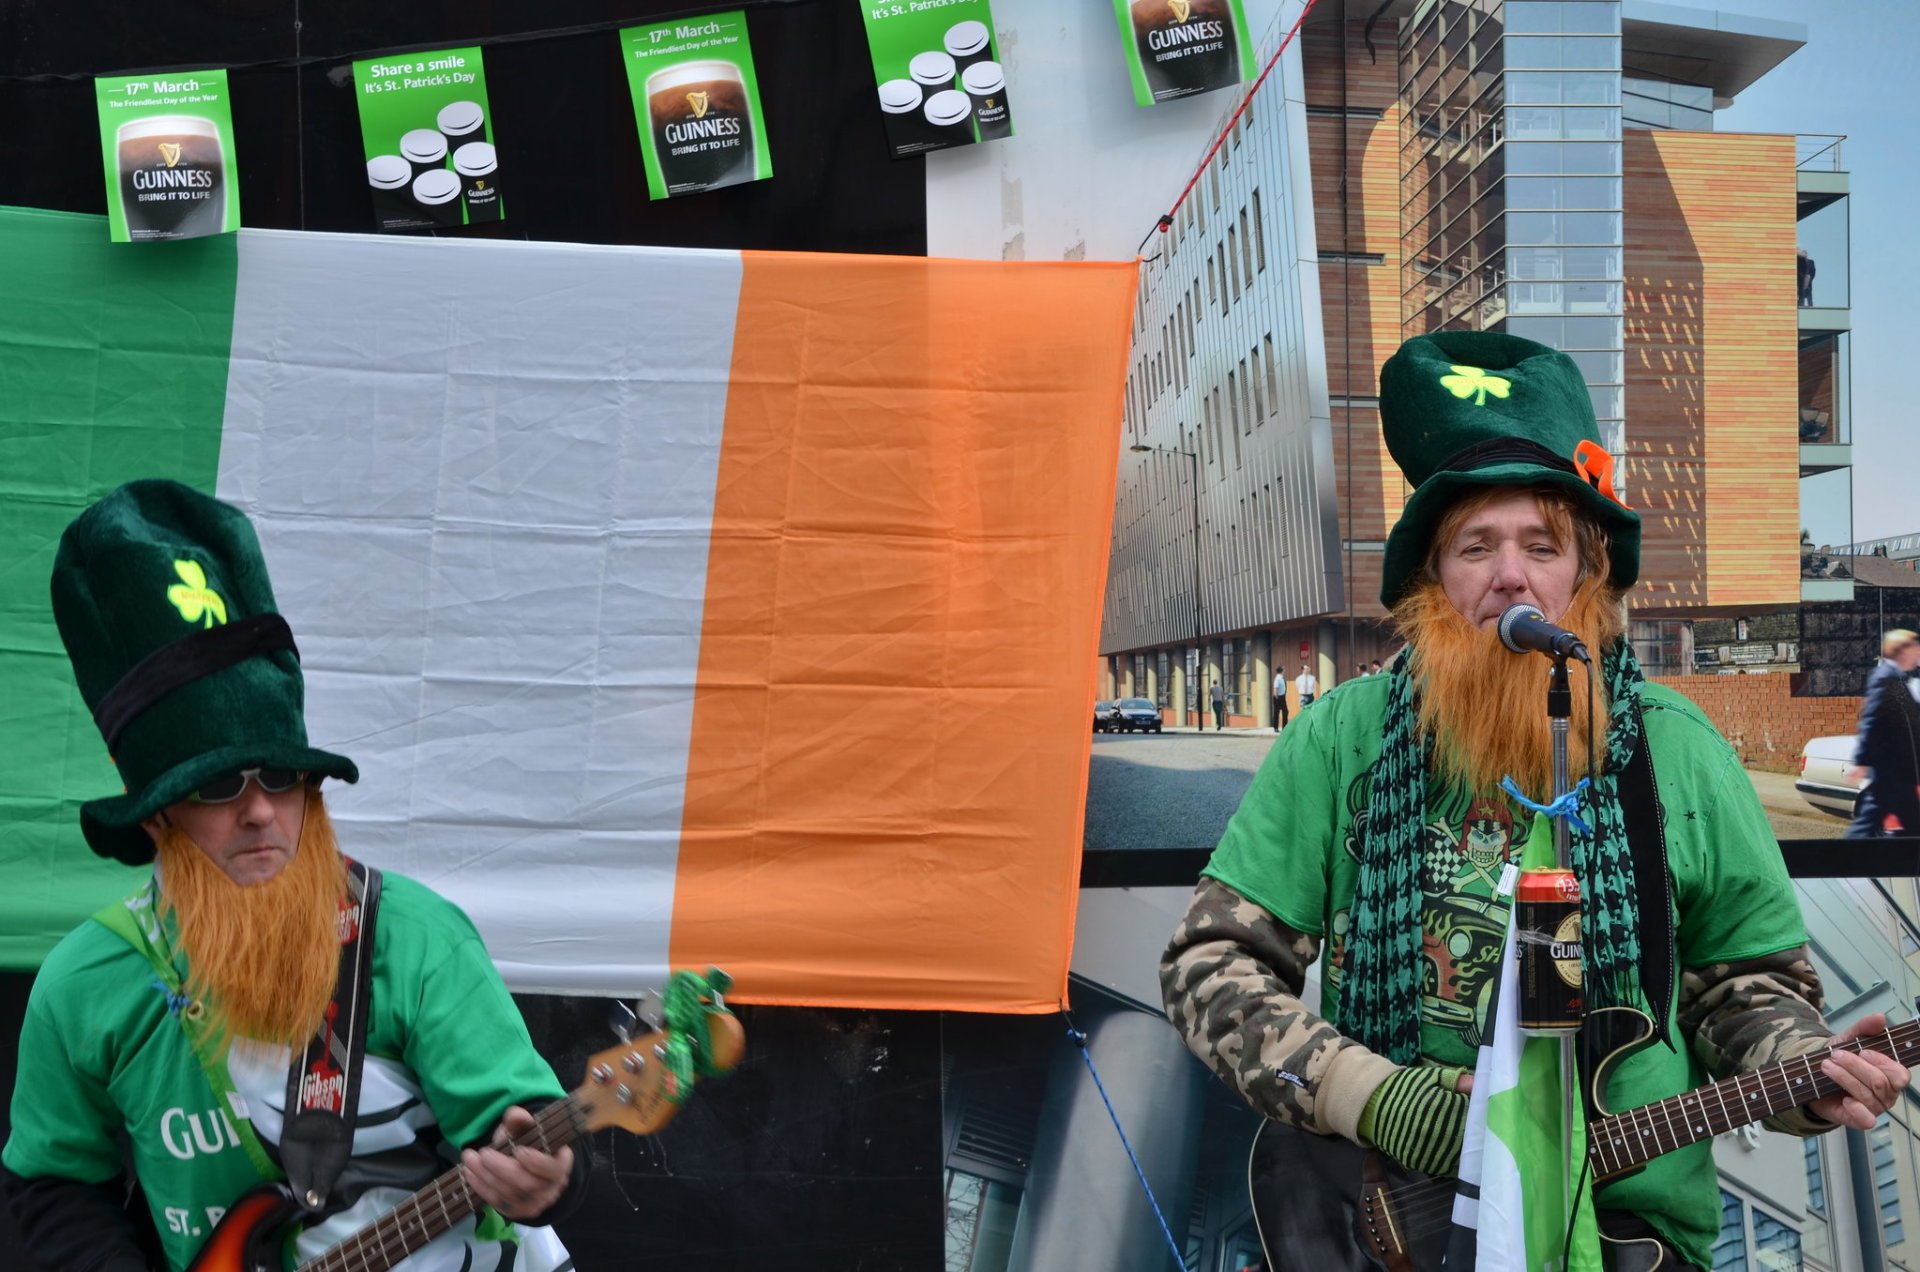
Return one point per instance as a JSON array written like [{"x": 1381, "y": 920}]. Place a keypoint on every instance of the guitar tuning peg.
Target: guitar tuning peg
[{"x": 622, "y": 1019}]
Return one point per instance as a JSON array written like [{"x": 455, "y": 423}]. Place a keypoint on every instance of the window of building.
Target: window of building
[
  {"x": 1273, "y": 381},
  {"x": 1233, "y": 402},
  {"x": 1210, "y": 282},
  {"x": 1221, "y": 257},
  {"x": 1246, "y": 248},
  {"x": 1886, "y": 1179},
  {"x": 1233, "y": 262},
  {"x": 1253, "y": 383},
  {"x": 1259, "y": 233}
]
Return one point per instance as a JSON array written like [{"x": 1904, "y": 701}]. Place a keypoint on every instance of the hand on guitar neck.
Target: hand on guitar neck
[
  {"x": 521, "y": 1183},
  {"x": 1870, "y": 1082}
]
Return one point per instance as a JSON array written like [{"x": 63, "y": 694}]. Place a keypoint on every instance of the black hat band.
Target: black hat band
[
  {"x": 1505, "y": 450},
  {"x": 185, "y": 661}
]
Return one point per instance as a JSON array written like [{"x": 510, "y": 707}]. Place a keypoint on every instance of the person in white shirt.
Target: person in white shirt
[
  {"x": 1306, "y": 686},
  {"x": 1280, "y": 700}
]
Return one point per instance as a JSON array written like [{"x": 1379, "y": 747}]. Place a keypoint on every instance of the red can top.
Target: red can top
[{"x": 1550, "y": 884}]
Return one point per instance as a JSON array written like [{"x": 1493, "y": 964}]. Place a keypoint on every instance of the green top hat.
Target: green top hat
[
  {"x": 1461, "y": 409},
  {"x": 163, "y": 603}
]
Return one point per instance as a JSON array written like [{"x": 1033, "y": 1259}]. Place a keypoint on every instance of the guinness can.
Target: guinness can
[
  {"x": 1547, "y": 925},
  {"x": 391, "y": 179},
  {"x": 949, "y": 115},
  {"x": 967, "y": 43},
  {"x": 900, "y": 105}
]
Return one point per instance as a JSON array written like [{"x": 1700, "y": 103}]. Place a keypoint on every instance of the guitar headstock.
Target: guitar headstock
[{"x": 629, "y": 1085}]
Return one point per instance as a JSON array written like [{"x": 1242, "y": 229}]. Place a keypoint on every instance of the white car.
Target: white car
[{"x": 1823, "y": 780}]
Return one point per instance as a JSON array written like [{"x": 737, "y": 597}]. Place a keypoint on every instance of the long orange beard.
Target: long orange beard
[
  {"x": 264, "y": 958},
  {"x": 1484, "y": 706}
]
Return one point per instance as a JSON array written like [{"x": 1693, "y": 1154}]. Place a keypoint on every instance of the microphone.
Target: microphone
[{"x": 1525, "y": 629}]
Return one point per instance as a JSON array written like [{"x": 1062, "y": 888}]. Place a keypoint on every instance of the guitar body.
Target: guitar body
[
  {"x": 248, "y": 1236},
  {"x": 1323, "y": 1204}
]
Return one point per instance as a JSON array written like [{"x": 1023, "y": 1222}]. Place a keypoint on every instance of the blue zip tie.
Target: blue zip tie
[
  {"x": 176, "y": 1003},
  {"x": 1562, "y": 807},
  {"x": 1079, "y": 1040}
]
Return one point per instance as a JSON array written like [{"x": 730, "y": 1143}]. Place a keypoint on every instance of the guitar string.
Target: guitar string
[
  {"x": 1420, "y": 1204},
  {"x": 391, "y": 1228}
]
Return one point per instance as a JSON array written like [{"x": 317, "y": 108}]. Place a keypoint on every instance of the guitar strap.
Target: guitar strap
[
  {"x": 1647, "y": 842},
  {"x": 323, "y": 1084}
]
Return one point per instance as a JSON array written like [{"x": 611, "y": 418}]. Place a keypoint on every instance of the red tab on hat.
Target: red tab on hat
[{"x": 1593, "y": 463}]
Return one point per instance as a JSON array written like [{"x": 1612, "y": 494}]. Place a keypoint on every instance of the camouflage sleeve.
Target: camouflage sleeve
[
  {"x": 1753, "y": 1013},
  {"x": 1231, "y": 979}
]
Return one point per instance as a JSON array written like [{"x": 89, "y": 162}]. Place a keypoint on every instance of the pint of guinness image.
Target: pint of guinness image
[
  {"x": 932, "y": 71},
  {"x": 907, "y": 129},
  {"x": 475, "y": 165},
  {"x": 173, "y": 177},
  {"x": 967, "y": 43},
  {"x": 702, "y": 126},
  {"x": 460, "y": 123},
  {"x": 987, "y": 86},
  {"x": 436, "y": 197},
  {"x": 1186, "y": 46},
  {"x": 425, "y": 149},
  {"x": 950, "y": 116},
  {"x": 391, "y": 178}
]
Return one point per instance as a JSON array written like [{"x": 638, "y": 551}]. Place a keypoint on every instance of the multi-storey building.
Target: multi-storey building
[{"x": 1545, "y": 168}]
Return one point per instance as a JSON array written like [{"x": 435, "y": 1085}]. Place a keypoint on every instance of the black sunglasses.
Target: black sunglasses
[{"x": 227, "y": 788}]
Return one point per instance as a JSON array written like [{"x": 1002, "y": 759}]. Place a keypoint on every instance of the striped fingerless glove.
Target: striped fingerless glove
[{"x": 1418, "y": 1119}]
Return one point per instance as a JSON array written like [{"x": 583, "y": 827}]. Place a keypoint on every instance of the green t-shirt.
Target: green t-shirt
[
  {"x": 1292, "y": 848},
  {"x": 101, "y": 1053}
]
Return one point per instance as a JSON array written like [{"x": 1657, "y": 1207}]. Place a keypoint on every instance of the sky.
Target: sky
[{"x": 1857, "y": 76}]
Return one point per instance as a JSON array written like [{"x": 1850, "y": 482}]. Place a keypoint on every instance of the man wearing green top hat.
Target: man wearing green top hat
[
  {"x": 1378, "y": 828},
  {"x": 161, "y": 1033}
]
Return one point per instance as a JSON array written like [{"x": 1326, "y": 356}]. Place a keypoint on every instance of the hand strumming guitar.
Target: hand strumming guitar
[{"x": 1418, "y": 1117}]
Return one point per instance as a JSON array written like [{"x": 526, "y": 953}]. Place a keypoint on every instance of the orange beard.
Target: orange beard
[
  {"x": 1485, "y": 706},
  {"x": 263, "y": 958}
]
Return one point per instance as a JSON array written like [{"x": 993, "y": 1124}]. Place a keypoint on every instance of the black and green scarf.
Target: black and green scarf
[{"x": 1380, "y": 991}]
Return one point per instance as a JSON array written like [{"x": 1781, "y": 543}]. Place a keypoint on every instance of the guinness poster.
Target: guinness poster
[
  {"x": 1176, "y": 48},
  {"x": 167, "y": 139},
  {"x": 938, "y": 70},
  {"x": 428, "y": 132},
  {"x": 697, "y": 104}
]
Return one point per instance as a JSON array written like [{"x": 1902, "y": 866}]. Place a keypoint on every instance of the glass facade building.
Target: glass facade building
[{"x": 1510, "y": 161}]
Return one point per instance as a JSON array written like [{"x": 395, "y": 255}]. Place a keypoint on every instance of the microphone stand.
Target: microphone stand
[{"x": 1559, "y": 720}]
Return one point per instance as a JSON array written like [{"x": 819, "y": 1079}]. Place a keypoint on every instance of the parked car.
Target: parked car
[
  {"x": 1823, "y": 780},
  {"x": 1106, "y": 717},
  {"x": 1136, "y": 713}
]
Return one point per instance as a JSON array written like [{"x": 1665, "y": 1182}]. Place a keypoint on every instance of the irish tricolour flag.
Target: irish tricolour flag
[
  {"x": 679, "y": 607},
  {"x": 1510, "y": 1214}
]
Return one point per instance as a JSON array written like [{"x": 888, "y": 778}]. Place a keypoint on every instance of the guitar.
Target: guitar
[
  {"x": 1325, "y": 1203},
  {"x": 626, "y": 1086}
]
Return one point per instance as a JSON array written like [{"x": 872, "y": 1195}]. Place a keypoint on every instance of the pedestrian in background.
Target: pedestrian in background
[
  {"x": 1306, "y": 686},
  {"x": 1886, "y": 753},
  {"x": 1279, "y": 700},
  {"x": 1219, "y": 706},
  {"x": 1803, "y": 275}
]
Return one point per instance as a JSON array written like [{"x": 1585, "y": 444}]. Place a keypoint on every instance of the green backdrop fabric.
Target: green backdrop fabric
[{"x": 113, "y": 365}]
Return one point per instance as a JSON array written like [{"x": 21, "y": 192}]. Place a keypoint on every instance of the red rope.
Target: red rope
[{"x": 1166, "y": 222}]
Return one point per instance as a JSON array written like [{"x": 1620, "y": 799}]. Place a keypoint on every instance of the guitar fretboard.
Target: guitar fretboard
[
  {"x": 1623, "y": 1141},
  {"x": 443, "y": 1203}
]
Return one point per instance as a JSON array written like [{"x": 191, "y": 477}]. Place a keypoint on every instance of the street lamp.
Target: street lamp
[{"x": 1199, "y": 705}]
